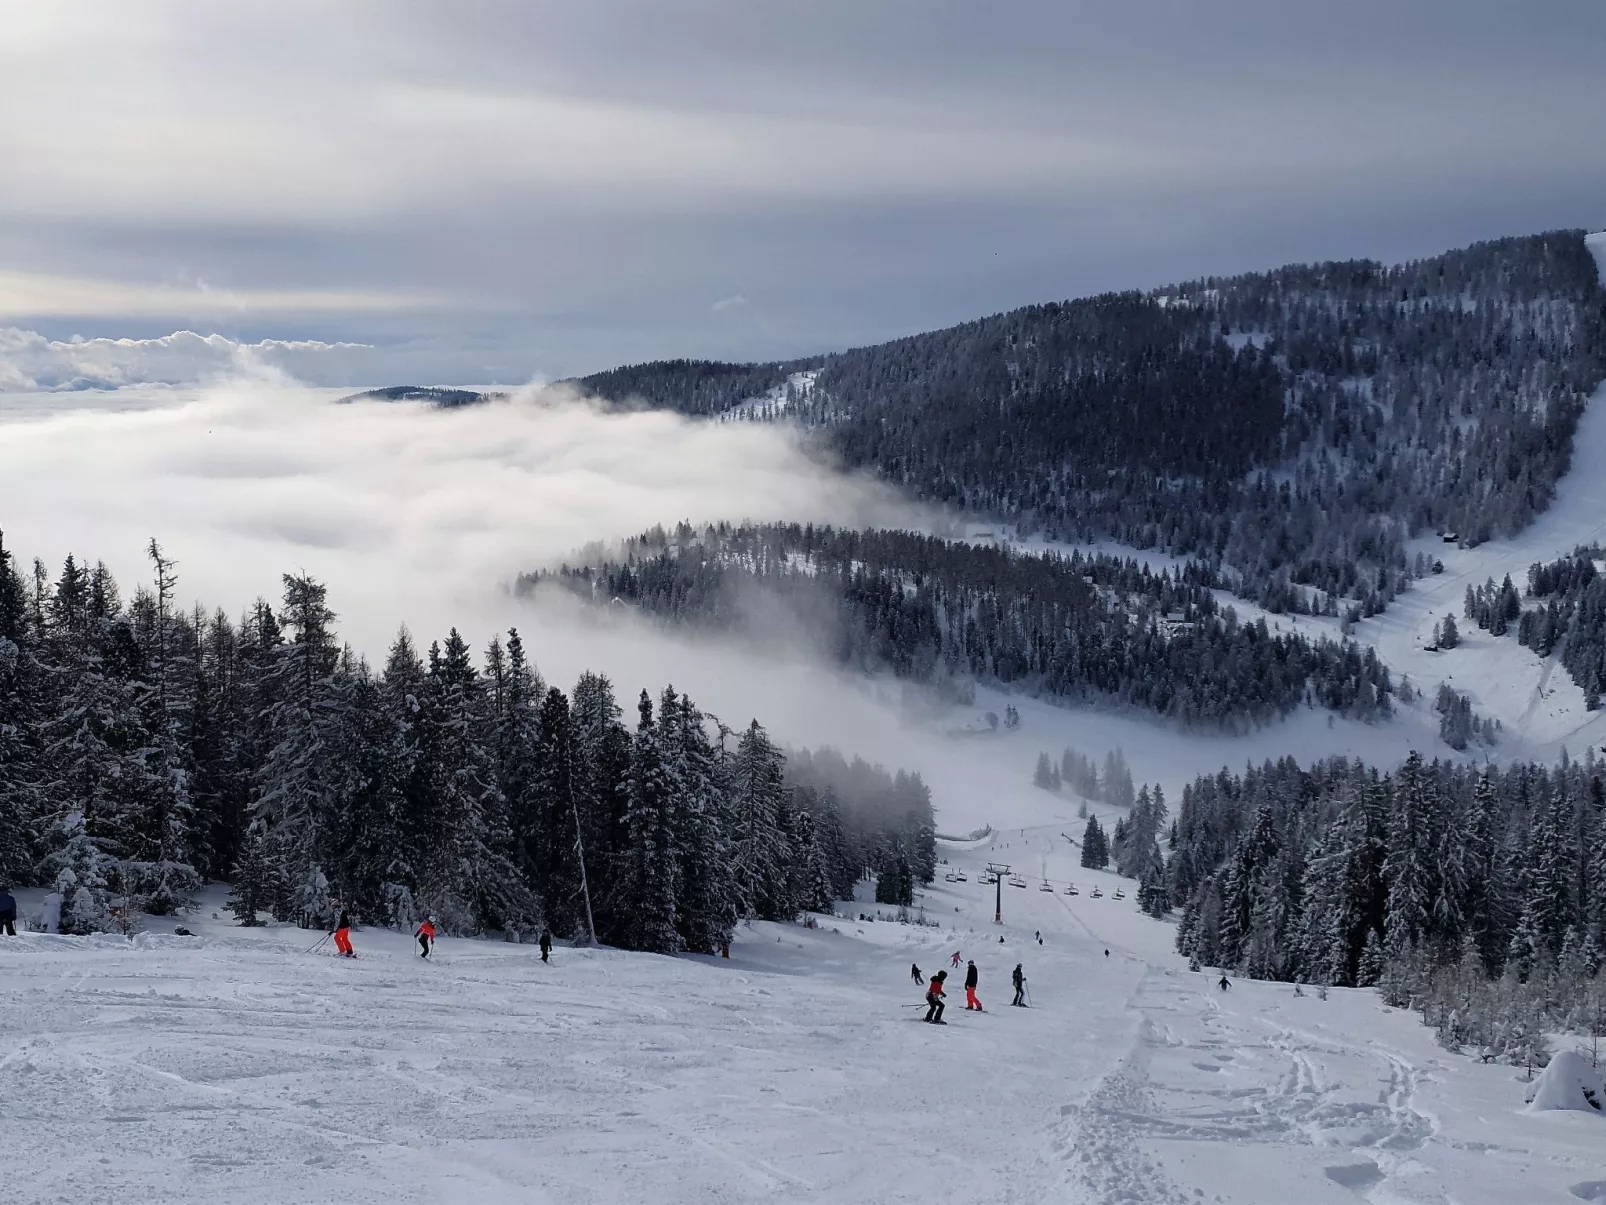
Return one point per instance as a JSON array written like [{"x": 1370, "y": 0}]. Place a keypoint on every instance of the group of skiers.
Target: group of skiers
[
  {"x": 425, "y": 933},
  {"x": 936, "y": 996}
]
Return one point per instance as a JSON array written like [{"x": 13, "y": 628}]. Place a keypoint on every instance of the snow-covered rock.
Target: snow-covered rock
[{"x": 1569, "y": 1082}]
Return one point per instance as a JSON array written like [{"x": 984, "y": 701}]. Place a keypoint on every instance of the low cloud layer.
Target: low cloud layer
[
  {"x": 410, "y": 513},
  {"x": 30, "y": 361}
]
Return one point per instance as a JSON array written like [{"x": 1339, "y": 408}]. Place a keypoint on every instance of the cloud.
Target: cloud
[
  {"x": 409, "y": 513},
  {"x": 735, "y": 302},
  {"x": 38, "y": 294},
  {"x": 30, "y": 361}
]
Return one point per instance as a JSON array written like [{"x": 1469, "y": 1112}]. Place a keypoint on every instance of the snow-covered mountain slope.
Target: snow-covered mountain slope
[{"x": 236, "y": 1066}]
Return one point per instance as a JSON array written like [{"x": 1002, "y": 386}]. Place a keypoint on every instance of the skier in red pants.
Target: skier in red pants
[
  {"x": 343, "y": 935},
  {"x": 956, "y": 960},
  {"x": 970, "y": 990}
]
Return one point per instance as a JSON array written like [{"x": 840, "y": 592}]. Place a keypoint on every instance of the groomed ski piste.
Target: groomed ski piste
[{"x": 238, "y": 1066}]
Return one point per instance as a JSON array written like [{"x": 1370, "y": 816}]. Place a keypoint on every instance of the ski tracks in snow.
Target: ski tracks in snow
[{"x": 1206, "y": 1087}]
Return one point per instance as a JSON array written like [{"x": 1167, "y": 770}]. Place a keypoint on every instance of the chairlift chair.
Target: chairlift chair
[
  {"x": 1047, "y": 886},
  {"x": 1097, "y": 894},
  {"x": 1070, "y": 889},
  {"x": 959, "y": 877}
]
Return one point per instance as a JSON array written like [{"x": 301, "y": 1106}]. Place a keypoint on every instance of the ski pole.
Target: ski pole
[
  {"x": 319, "y": 945},
  {"x": 1027, "y": 988}
]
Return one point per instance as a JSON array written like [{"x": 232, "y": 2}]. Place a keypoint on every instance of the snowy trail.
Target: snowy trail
[{"x": 237, "y": 1067}]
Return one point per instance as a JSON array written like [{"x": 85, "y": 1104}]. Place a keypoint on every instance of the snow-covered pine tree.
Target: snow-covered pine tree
[
  {"x": 299, "y": 782},
  {"x": 706, "y": 911},
  {"x": 468, "y": 878},
  {"x": 1414, "y": 843},
  {"x": 600, "y": 776},
  {"x": 649, "y": 888},
  {"x": 760, "y": 850},
  {"x": 548, "y": 834},
  {"x": 1095, "y": 849},
  {"x": 255, "y": 887}
]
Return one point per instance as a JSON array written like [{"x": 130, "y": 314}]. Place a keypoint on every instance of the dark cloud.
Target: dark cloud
[{"x": 566, "y": 187}]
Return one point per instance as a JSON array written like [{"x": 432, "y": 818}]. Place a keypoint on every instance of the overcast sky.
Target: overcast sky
[{"x": 495, "y": 191}]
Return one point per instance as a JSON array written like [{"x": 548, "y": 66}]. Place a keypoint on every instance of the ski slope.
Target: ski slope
[{"x": 236, "y": 1066}]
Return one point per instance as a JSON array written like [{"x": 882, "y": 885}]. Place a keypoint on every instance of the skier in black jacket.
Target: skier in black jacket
[
  {"x": 1019, "y": 979},
  {"x": 914, "y": 972},
  {"x": 971, "y": 1002},
  {"x": 8, "y": 913},
  {"x": 546, "y": 944}
]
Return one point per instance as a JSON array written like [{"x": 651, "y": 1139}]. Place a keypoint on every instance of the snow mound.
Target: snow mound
[{"x": 1569, "y": 1082}]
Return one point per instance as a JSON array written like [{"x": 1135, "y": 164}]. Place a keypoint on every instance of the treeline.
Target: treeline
[
  {"x": 1572, "y": 619},
  {"x": 1466, "y": 892},
  {"x": 873, "y": 823},
  {"x": 144, "y": 749},
  {"x": 1079, "y": 772},
  {"x": 1299, "y": 425},
  {"x": 1079, "y": 627}
]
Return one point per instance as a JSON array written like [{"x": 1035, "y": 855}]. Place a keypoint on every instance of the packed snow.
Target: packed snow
[{"x": 240, "y": 1065}]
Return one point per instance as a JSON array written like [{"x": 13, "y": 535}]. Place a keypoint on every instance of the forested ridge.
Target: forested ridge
[
  {"x": 1297, "y": 425},
  {"x": 1477, "y": 895},
  {"x": 144, "y": 749},
  {"x": 1076, "y": 627}
]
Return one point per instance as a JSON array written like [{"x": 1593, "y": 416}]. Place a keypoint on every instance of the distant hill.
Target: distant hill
[
  {"x": 1293, "y": 427},
  {"x": 431, "y": 394}
]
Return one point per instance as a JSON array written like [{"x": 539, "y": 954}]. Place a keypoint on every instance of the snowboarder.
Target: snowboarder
[
  {"x": 934, "y": 1001},
  {"x": 914, "y": 972},
  {"x": 546, "y": 945},
  {"x": 1224, "y": 985},
  {"x": 1000, "y": 939},
  {"x": 1019, "y": 978},
  {"x": 1038, "y": 933},
  {"x": 343, "y": 936},
  {"x": 8, "y": 913},
  {"x": 956, "y": 960},
  {"x": 971, "y": 1002},
  {"x": 426, "y": 937}
]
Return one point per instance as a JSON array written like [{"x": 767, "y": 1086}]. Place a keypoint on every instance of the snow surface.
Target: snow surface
[
  {"x": 237, "y": 1066},
  {"x": 1569, "y": 1081}
]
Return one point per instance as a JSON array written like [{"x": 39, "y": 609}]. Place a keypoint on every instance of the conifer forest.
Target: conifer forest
[{"x": 145, "y": 750}]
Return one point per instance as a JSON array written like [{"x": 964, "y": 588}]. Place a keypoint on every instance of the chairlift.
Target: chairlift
[
  {"x": 1071, "y": 889},
  {"x": 1119, "y": 894},
  {"x": 1017, "y": 882},
  {"x": 990, "y": 880},
  {"x": 1097, "y": 894},
  {"x": 949, "y": 877},
  {"x": 1047, "y": 886}
]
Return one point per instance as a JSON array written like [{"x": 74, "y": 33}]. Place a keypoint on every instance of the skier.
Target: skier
[
  {"x": 914, "y": 972},
  {"x": 8, "y": 913},
  {"x": 1038, "y": 933},
  {"x": 546, "y": 944},
  {"x": 956, "y": 960},
  {"x": 971, "y": 1002},
  {"x": 1039, "y": 939},
  {"x": 1224, "y": 985},
  {"x": 343, "y": 936},
  {"x": 426, "y": 937},
  {"x": 1019, "y": 978},
  {"x": 934, "y": 1001}
]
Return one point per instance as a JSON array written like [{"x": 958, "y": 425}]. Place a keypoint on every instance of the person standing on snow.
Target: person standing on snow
[
  {"x": 934, "y": 999},
  {"x": 426, "y": 937},
  {"x": 970, "y": 989},
  {"x": 956, "y": 960},
  {"x": 343, "y": 935},
  {"x": 914, "y": 972},
  {"x": 8, "y": 913},
  {"x": 546, "y": 944},
  {"x": 1224, "y": 985},
  {"x": 1019, "y": 978}
]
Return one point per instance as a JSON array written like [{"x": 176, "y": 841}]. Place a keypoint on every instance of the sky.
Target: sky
[{"x": 498, "y": 192}]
